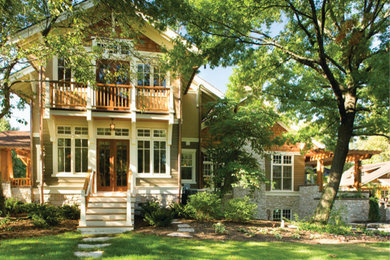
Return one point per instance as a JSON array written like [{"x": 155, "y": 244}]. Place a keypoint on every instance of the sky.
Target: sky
[{"x": 218, "y": 77}]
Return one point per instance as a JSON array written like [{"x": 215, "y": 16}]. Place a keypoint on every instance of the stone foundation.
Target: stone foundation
[
  {"x": 20, "y": 193},
  {"x": 63, "y": 199}
]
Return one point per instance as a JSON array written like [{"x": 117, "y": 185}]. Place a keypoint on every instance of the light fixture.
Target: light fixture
[{"x": 112, "y": 125}]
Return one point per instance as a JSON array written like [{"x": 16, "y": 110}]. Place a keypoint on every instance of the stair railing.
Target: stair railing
[
  {"x": 87, "y": 190},
  {"x": 129, "y": 193}
]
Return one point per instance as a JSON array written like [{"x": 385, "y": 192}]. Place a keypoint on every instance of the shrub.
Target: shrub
[
  {"x": 70, "y": 212},
  {"x": 13, "y": 206},
  {"x": 219, "y": 228},
  {"x": 178, "y": 210},
  {"x": 329, "y": 228},
  {"x": 2, "y": 200},
  {"x": 149, "y": 207},
  {"x": 239, "y": 209},
  {"x": 373, "y": 213},
  {"x": 204, "y": 206},
  {"x": 161, "y": 217},
  {"x": 45, "y": 215}
]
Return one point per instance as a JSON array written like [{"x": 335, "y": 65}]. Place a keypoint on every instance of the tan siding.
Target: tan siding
[
  {"x": 190, "y": 116},
  {"x": 299, "y": 171}
]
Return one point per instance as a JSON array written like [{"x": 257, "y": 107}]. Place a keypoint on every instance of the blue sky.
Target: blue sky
[{"x": 218, "y": 77}]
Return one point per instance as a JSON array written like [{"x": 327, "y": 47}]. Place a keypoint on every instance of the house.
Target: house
[
  {"x": 110, "y": 145},
  {"x": 375, "y": 177}
]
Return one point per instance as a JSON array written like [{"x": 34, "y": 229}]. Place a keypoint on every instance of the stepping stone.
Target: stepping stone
[
  {"x": 177, "y": 234},
  {"x": 94, "y": 239},
  {"x": 176, "y": 221},
  {"x": 93, "y": 254},
  {"x": 186, "y": 230},
  {"x": 88, "y": 246},
  {"x": 292, "y": 226},
  {"x": 184, "y": 226}
]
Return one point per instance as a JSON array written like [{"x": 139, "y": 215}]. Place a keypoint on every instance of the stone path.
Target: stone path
[
  {"x": 85, "y": 245},
  {"x": 182, "y": 231}
]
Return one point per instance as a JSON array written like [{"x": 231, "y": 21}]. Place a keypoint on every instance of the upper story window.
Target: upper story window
[
  {"x": 114, "y": 46},
  {"x": 207, "y": 166},
  {"x": 113, "y": 72},
  {"x": 158, "y": 77},
  {"x": 143, "y": 75},
  {"x": 282, "y": 172},
  {"x": 64, "y": 73},
  {"x": 150, "y": 76}
]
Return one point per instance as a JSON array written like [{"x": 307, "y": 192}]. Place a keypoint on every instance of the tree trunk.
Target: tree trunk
[
  {"x": 2, "y": 200},
  {"x": 325, "y": 204}
]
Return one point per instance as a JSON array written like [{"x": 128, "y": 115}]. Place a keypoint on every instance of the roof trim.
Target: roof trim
[{"x": 209, "y": 87}]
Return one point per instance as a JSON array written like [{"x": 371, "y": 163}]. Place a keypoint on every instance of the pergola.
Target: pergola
[
  {"x": 321, "y": 158},
  {"x": 19, "y": 141}
]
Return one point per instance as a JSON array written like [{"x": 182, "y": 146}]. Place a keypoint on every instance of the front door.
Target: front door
[{"x": 113, "y": 165}]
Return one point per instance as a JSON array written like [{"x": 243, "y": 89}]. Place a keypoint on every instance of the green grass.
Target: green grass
[
  {"x": 59, "y": 247},
  {"x": 138, "y": 246}
]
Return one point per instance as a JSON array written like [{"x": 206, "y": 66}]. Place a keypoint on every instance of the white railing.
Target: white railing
[
  {"x": 88, "y": 188},
  {"x": 129, "y": 195}
]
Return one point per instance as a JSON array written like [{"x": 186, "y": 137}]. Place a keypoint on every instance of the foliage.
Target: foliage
[
  {"x": 149, "y": 206},
  {"x": 219, "y": 228},
  {"x": 45, "y": 215},
  {"x": 328, "y": 228},
  {"x": 373, "y": 213},
  {"x": 204, "y": 206},
  {"x": 239, "y": 209},
  {"x": 2, "y": 200},
  {"x": 378, "y": 143},
  {"x": 70, "y": 212},
  {"x": 250, "y": 232},
  {"x": 336, "y": 216},
  {"x": 161, "y": 217},
  {"x": 178, "y": 210},
  {"x": 237, "y": 135},
  {"x": 4, "y": 125},
  {"x": 13, "y": 206},
  {"x": 19, "y": 168}
]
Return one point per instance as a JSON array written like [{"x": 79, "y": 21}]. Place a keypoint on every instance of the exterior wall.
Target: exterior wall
[
  {"x": 63, "y": 199},
  {"x": 190, "y": 126},
  {"x": 20, "y": 193}
]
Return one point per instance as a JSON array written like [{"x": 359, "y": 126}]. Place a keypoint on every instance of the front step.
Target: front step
[
  {"x": 109, "y": 222},
  {"x": 107, "y": 204},
  {"x": 94, "y": 230},
  {"x": 105, "y": 216}
]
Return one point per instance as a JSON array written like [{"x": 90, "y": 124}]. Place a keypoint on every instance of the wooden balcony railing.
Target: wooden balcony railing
[
  {"x": 68, "y": 94},
  {"x": 110, "y": 97},
  {"x": 21, "y": 182},
  {"x": 152, "y": 98}
]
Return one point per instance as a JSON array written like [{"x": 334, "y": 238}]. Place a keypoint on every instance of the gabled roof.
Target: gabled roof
[
  {"x": 207, "y": 87},
  {"x": 369, "y": 172},
  {"x": 15, "y": 139}
]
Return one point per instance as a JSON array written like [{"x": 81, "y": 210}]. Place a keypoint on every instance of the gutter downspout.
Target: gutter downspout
[
  {"x": 200, "y": 170},
  {"x": 179, "y": 145},
  {"x": 41, "y": 132}
]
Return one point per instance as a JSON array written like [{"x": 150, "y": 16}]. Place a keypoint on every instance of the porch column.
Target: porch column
[
  {"x": 320, "y": 173},
  {"x": 91, "y": 146},
  {"x": 357, "y": 174}
]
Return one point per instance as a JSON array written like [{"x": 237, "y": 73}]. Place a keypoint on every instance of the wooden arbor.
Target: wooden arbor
[
  {"x": 321, "y": 158},
  {"x": 19, "y": 141}
]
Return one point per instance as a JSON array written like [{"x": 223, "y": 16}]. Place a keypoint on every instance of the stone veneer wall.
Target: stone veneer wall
[
  {"x": 58, "y": 199},
  {"x": 20, "y": 193}
]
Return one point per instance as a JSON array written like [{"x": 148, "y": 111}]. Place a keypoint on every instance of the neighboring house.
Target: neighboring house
[
  {"x": 110, "y": 146},
  {"x": 375, "y": 176}
]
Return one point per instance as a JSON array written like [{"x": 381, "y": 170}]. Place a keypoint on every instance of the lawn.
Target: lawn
[{"x": 140, "y": 246}]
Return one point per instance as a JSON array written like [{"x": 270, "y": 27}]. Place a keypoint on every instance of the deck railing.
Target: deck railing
[
  {"x": 21, "y": 182},
  {"x": 111, "y": 97}
]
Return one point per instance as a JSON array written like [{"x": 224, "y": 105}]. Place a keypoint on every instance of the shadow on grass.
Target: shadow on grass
[
  {"x": 56, "y": 247},
  {"x": 139, "y": 246}
]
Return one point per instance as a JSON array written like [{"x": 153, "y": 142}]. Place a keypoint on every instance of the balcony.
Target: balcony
[{"x": 109, "y": 97}]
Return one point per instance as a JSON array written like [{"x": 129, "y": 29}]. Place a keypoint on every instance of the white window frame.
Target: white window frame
[
  {"x": 282, "y": 154},
  {"x": 151, "y": 76},
  {"x": 207, "y": 162},
  {"x": 281, "y": 214},
  {"x": 151, "y": 138},
  {"x": 193, "y": 173},
  {"x": 72, "y": 136}
]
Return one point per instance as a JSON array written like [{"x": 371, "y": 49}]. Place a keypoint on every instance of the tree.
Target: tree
[
  {"x": 237, "y": 135},
  {"x": 378, "y": 143},
  {"x": 326, "y": 67}
]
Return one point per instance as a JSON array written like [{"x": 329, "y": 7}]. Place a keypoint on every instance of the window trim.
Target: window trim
[
  {"x": 193, "y": 173},
  {"x": 292, "y": 171},
  {"x": 281, "y": 214},
  {"x": 151, "y": 138},
  {"x": 72, "y": 136}
]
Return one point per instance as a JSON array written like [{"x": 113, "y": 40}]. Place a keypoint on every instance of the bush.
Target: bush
[
  {"x": 204, "y": 206},
  {"x": 161, "y": 217},
  {"x": 219, "y": 228},
  {"x": 13, "y": 206},
  {"x": 329, "y": 228},
  {"x": 178, "y": 210},
  {"x": 70, "y": 212},
  {"x": 373, "y": 213},
  {"x": 149, "y": 207},
  {"x": 45, "y": 215},
  {"x": 239, "y": 209}
]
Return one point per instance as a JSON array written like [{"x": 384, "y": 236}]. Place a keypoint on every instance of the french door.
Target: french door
[{"x": 113, "y": 165}]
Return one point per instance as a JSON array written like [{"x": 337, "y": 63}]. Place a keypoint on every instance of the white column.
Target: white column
[
  {"x": 46, "y": 114},
  {"x": 91, "y": 146}
]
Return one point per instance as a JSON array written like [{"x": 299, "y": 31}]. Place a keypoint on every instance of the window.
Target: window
[
  {"x": 64, "y": 154},
  {"x": 207, "y": 166},
  {"x": 278, "y": 214},
  {"x": 152, "y": 151},
  {"x": 64, "y": 73},
  {"x": 188, "y": 166},
  {"x": 72, "y": 149},
  {"x": 121, "y": 132},
  {"x": 112, "y": 46},
  {"x": 113, "y": 72},
  {"x": 103, "y": 131},
  {"x": 158, "y": 77},
  {"x": 81, "y": 155},
  {"x": 282, "y": 172},
  {"x": 143, "y": 75}
]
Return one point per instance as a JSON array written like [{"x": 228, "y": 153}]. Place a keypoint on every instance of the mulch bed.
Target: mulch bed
[
  {"x": 23, "y": 227},
  {"x": 257, "y": 230}
]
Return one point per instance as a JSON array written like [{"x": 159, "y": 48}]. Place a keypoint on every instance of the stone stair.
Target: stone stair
[{"x": 106, "y": 213}]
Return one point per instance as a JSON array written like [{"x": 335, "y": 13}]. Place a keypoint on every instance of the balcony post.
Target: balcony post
[
  {"x": 46, "y": 114},
  {"x": 89, "y": 101}
]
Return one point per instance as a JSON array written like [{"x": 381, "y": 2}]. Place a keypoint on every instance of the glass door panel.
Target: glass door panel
[
  {"x": 104, "y": 165},
  {"x": 122, "y": 158}
]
